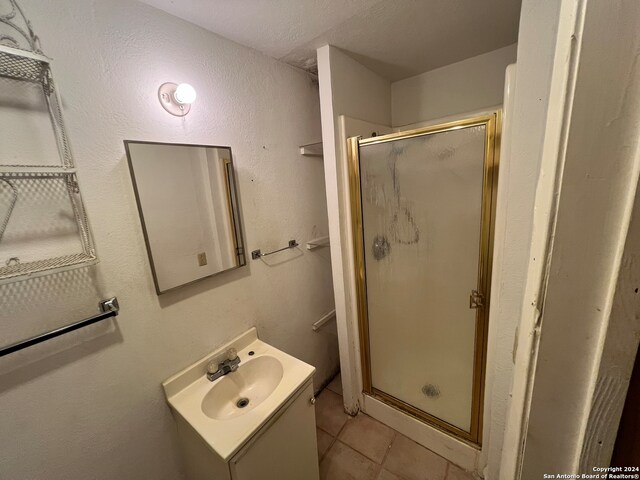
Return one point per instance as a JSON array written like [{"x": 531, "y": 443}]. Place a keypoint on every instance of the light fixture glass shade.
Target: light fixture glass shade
[{"x": 185, "y": 94}]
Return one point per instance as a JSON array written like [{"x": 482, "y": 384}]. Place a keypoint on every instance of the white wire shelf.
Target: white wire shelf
[
  {"x": 43, "y": 223},
  {"x": 6, "y": 170}
]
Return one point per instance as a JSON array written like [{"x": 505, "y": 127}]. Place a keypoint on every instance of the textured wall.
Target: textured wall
[
  {"x": 536, "y": 48},
  {"x": 346, "y": 88},
  {"x": 472, "y": 84},
  {"x": 598, "y": 159},
  {"x": 90, "y": 405}
]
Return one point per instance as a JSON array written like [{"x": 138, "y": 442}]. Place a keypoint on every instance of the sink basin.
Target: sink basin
[
  {"x": 226, "y": 413},
  {"x": 239, "y": 392}
]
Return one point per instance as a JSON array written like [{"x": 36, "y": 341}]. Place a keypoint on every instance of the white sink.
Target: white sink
[
  {"x": 266, "y": 377},
  {"x": 239, "y": 392}
]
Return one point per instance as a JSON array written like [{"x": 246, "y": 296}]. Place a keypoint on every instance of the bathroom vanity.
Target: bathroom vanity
[{"x": 257, "y": 422}]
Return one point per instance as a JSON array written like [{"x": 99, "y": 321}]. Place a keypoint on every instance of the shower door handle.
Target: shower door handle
[{"x": 476, "y": 299}]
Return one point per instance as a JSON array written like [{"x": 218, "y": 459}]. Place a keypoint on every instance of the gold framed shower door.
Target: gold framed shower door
[{"x": 492, "y": 123}]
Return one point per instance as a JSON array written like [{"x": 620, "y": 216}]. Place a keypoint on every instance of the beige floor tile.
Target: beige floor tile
[
  {"x": 456, "y": 473},
  {"x": 344, "y": 463},
  {"x": 324, "y": 442},
  {"x": 387, "y": 475},
  {"x": 330, "y": 415},
  {"x": 414, "y": 462},
  {"x": 367, "y": 436},
  {"x": 336, "y": 385}
]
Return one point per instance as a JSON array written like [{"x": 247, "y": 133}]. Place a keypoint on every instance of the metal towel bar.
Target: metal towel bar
[
  {"x": 325, "y": 318},
  {"x": 109, "y": 308},
  {"x": 256, "y": 254}
]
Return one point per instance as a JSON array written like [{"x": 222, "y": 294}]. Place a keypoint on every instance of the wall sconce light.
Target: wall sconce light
[{"x": 176, "y": 99}]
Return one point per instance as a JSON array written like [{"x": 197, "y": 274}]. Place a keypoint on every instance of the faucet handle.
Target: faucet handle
[
  {"x": 232, "y": 354},
  {"x": 212, "y": 366}
]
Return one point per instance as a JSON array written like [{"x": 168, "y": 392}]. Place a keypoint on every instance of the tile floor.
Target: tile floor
[{"x": 361, "y": 448}]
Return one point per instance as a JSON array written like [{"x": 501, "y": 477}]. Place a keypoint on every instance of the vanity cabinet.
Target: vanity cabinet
[
  {"x": 285, "y": 448},
  {"x": 255, "y": 423}
]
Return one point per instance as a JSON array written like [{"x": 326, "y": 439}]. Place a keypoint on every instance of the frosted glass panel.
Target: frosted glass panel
[{"x": 421, "y": 212}]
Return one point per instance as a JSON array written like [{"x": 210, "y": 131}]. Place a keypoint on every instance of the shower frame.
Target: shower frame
[{"x": 493, "y": 124}]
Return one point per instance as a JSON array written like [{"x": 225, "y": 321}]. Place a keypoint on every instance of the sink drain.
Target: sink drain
[{"x": 243, "y": 402}]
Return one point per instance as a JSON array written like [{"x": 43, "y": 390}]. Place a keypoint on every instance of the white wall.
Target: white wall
[
  {"x": 355, "y": 90},
  {"x": 346, "y": 88},
  {"x": 584, "y": 201},
  {"x": 97, "y": 410},
  {"x": 473, "y": 84},
  {"x": 516, "y": 195}
]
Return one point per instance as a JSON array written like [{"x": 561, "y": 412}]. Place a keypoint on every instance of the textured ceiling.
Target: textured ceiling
[{"x": 395, "y": 38}]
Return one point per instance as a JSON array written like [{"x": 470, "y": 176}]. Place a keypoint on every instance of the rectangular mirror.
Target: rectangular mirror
[{"x": 188, "y": 205}]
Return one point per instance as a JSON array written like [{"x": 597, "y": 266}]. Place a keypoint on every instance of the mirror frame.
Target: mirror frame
[{"x": 233, "y": 204}]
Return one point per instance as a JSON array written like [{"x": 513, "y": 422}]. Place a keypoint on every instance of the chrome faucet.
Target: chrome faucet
[{"x": 216, "y": 370}]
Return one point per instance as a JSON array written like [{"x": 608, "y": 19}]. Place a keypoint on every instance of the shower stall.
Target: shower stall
[{"x": 422, "y": 208}]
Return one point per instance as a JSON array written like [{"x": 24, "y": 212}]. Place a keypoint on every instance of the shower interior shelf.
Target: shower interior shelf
[{"x": 43, "y": 223}]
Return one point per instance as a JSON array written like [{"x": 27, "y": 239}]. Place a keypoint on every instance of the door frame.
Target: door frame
[
  {"x": 492, "y": 123},
  {"x": 574, "y": 355}
]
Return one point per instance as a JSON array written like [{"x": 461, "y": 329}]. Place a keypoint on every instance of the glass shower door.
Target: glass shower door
[{"x": 424, "y": 248}]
